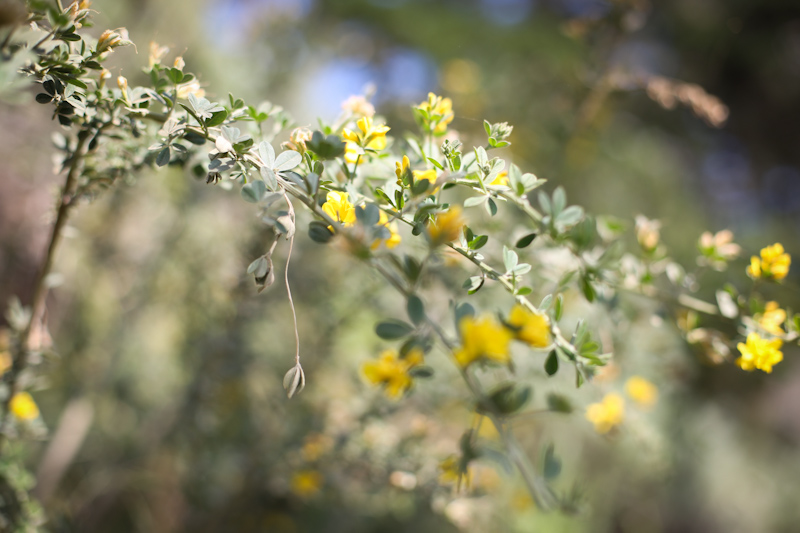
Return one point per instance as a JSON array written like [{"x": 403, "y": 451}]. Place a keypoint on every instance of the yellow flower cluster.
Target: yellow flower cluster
[
  {"x": 532, "y": 328},
  {"x": 773, "y": 264},
  {"x": 391, "y": 371},
  {"x": 641, "y": 391},
  {"x": 446, "y": 226},
  {"x": 339, "y": 208},
  {"x": 23, "y": 407},
  {"x": 483, "y": 339},
  {"x": 772, "y": 319},
  {"x": 759, "y": 353},
  {"x": 606, "y": 414},
  {"x": 368, "y": 135},
  {"x": 436, "y": 105},
  {"x": 609, "y": 413},
  {"x": 306, "y": 483}
]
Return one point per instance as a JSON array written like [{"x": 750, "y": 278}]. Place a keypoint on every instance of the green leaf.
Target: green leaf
[
  {"x": 510, "y": 259},
  {"x": 254, "y": 191},
  {"x": 559, "y": 201},
  {"x": 463, "y": 310},
  {"x": 473, "y": 284},
  {"x": 174, "y": 75},
  {"x": 475, "y": 200},
  {"x": 526, "y": 240},
  {"x": 552, "y": 466},
  {"x": 216, "y": 119},
  {"x": 420, "y": 372},
  {"x": 551, "y": 364},
  {"x": 491, "y": 207},
  {"x": 416, "y": 309},
  {"x": 420, "y": 187},
  {"x": 436, "y": 163},
  {"x": 508, "y": 398},
  {"x": 368, "y": 215},
  {"x": 393, "y": 329},
  {"x": 559, "y": 310},
  {"x": 478, "y": 242},
  {"x": 524, "y": 291},
  {"x": 319, "y": 232},
  {"x": 587, "y": 288},
  {"x": 163, "y": 157},
  {"x": 558, "y": 403}
]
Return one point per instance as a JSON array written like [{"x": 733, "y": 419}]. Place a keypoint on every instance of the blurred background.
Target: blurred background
[{"x": 173, "y": 364}]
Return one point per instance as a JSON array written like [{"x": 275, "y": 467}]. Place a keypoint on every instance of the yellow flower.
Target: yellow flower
[
  {"x": 443, "y": 107},
  {"x": 759, "y": 353},
  {"x": 533, "y": 328},
  {"x": 401, "y": 168},
  {"x": 352, "y": 153},
  {"x": 772, "y": 319},
  {"x": 394, "y": 237},
  {"x": 607, "y": 414},
  {"x": 501, "y": 180},
  {"x": 368, "y": 136},
  {"x": 23, "y": 407},
  {"x": 641, "y": 391},
  {"x": 392, "y": 371},
  {"x": 306, "y": 483},
  {"x": 339, "y": 208},
  {"x": 773, "y": 264},
  {"x": 482, "y": 339},
  {"x": 447, "y": 226},
  {"x": 453, "y": 472}
]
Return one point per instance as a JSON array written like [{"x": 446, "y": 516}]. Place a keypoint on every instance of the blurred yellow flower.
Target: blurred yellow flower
[
  {"x": 759, "y": 353},
  {"x": 447, "y": 226},
  {"x": 368, "y": 136},
  {"x": 453, "y": 472},
  {"x": 641, "y": 391},
  {"x": 501, "y": 180},
  {"x": 23, "y": 407},
  {"x": 773, "y": 263},
  {"x": 606, "y": 414},
  {"x": 306, "y": 483},
  {"x": 394, "y": 237},
  {"x": 339, "y": 208},
  {"x": 401, "y": 168},
  {"x": 482, "y": 338},
  {"x": 533, "y": 328},
  {"x": 772, "y": 319},
  {"x": 352, "y": 153},
  {"x": 436, "y": 105},
  {"x": 391, "y": 371}
]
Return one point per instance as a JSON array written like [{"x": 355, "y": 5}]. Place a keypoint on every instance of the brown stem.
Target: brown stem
[{"x": 40, "y": 287}]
